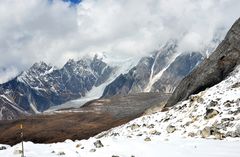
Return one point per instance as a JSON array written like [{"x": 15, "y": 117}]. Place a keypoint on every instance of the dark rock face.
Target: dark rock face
[
  {"x": 9, "y": 110},
  {"x": 180, "y": 68},
  {"x": 138, "y": 78},
  {"x": 134, "y": 80},
  {"x": 213, "y": 69},
  {"x": 141, "y": 78},
  {"x": 43, "y": 86}
]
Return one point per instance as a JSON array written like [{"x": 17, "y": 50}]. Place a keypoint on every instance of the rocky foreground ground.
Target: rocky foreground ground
[{"x": 213, "y": 113}]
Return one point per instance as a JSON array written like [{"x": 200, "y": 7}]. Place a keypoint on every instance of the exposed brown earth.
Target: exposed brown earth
[
  {"x": 93, "y": 118},
  {"x": 58, "y": 127}
]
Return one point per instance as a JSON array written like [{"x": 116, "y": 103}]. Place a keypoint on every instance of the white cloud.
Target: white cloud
[
  {"x": 8, "y": 73},
  {"x": 54, "y": 32}
]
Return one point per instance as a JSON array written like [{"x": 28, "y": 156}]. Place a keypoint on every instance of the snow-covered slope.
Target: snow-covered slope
[
  {"x": 129, "y": 147},
  {"x": 216, "y": 110}
]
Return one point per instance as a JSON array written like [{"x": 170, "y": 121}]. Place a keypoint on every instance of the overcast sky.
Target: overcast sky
[{"x": 54, "y": 30}]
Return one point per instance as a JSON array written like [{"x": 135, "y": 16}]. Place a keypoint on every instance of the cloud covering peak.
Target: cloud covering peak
[{"x": 56, "y": 31}]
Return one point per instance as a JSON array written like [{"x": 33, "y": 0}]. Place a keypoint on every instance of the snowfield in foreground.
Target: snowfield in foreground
[
  {"x": 208, "y": 124},
  {"x": 129, "y": 147}
]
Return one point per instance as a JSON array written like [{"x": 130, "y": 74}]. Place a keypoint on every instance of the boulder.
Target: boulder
[
  {"x": 227, "y": 119},
  {"x": 78, "y": 145},
  {"x": 206, "y": 132},
  {"x": 192, "y": 134},
  {"x": 134, "y": 126},
  {"x": 227, "y": 104},
  {"x": 236, "y": 85},
  {"x": 92, "y": 150},
  {"x": 61, "y": 153},
  {"x": 171, "y": 129},
  {"x": 196, "y": 98},
  {"x": 232, "y": 134},
  {"x": 154, "y": 132},
  {"x": 210, "y": 113},
  {"x": 147, "y": 139},
  {"x": 3, "y": 148},
  {"x": 150, "y": 126},
  {"x": 237, "y": 131},
  {"x": 98, "y": 144},
  {"x": 218, "y": 135},
  {"x": 115, "y": 134},
  {"x": 213, "y": 103}
]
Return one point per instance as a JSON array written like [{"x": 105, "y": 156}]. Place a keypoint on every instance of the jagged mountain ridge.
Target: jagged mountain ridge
[
  {"x": 43, "y": 86},
  {"x": 160, "y": 72}
]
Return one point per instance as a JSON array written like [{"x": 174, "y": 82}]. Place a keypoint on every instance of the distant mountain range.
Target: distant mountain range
[{"x": 44, "y": 86}]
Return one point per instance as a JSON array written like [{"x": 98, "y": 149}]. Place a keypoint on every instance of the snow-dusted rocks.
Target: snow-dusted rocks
[
  {"x": 98, "y": 144},
  {"x": 133, "y": 147},
  {"x": 213, "y": 113},
  {"x": 3, "y": 148},
  {"x": 147, "y": 139},
  {"x": 210, "y": 113},
  {"x": 171, "y": 128}
]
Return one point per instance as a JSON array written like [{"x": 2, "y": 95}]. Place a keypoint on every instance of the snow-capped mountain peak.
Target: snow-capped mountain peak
[{"x": 43, "y": 85}]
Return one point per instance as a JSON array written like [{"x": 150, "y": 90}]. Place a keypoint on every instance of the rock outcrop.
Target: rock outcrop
[{"x": 213, "y": 69}]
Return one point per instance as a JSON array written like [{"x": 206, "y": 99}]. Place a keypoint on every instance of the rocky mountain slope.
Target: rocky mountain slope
[
  {"x": 212, "y": 70},
  {"x": 43, "y": 86},
  {"x": 160, "y": 72}
]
